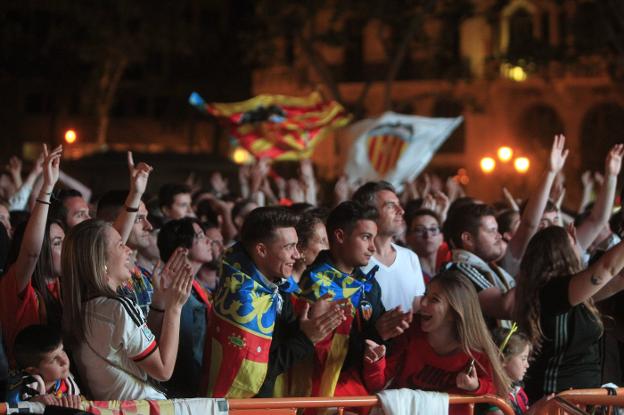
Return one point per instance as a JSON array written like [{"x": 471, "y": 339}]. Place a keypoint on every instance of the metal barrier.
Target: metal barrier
[
  {"x": 573, "y": 401},
  {"x": 289, "y": 406}
]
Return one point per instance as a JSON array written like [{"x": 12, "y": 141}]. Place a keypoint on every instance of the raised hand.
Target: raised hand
[
  {"x": 587, "y": 179},
  {"x": 393, "y": 323},
  {"x": 14, "y": 167},
  {"x": 468, "y": 381},
  {"x": 373, "y": 351},
  {"x": 613, "y": 163},
  {"x": 316, "y": 328},
  {"x": 341, "y": 189},
  {"x": 162, "y": 279},
  {"x": 295, "y": 191},
  {"x": 219, "y": 184},
  {"x": 51, "y": 166},
  {"x": 558, "y": 155},
  {"x": 307, "y": 171},
  {"x": 179, "y": 291},
  {"x": 139, "y": 174}
]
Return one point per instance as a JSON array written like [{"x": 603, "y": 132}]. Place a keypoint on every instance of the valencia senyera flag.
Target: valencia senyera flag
[{"x": 278, "y": 127}]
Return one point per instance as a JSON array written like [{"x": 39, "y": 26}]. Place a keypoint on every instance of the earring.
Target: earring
[{"x": 105, "y": 269}]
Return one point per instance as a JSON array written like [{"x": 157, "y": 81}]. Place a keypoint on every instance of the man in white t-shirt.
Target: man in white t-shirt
[{"x": 399, "y": 275}]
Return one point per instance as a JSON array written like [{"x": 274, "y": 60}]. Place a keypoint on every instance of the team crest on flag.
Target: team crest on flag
[
  {"x": 278, "y": 127},
  {"x": 396, "y": 147}
]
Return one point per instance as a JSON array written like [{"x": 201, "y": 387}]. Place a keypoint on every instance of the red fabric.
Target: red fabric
[
  {"x": 17, "y": 309},
  {"x": 443, "y": 256},
  {"x": 413, "y": 364}
]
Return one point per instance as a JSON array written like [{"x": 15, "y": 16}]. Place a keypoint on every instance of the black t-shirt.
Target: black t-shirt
[{"x": 569, "y": 357}]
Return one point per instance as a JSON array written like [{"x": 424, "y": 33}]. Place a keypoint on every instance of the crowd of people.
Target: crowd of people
[{"x": 269, "y": 290}]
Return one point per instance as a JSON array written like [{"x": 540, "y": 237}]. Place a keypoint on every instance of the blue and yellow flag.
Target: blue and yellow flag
[
  {"x": 320, "y": 279},
  {"x": 239, "y": 338}
]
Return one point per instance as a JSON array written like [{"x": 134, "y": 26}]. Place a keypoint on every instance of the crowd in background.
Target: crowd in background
[{"x": 268, "y": 290}]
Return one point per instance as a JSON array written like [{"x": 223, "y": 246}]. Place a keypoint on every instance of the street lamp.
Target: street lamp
[
  {"x": 488, "y": 164},
  {"x": 70, "y": 136},
  {"x": 521, "y": 164},
  {"x": 505, "y": 154}
]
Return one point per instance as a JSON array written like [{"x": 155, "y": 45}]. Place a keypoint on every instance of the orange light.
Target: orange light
[
  {"x": 488, "y": 164},
  {"x": 505, "y": 154},
  {"x": 241, "y": 156},
  {"x": 70, "y": 136},
  {"x": 521, "y": 164}
]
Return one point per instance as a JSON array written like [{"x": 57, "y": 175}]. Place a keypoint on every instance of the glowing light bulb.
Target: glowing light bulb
[
  {"x": 522, "y": 164},
  {"x": 505, "y": 154},
  {"x": 488, "y": 164},
  {"x": 70, "y": 136}
]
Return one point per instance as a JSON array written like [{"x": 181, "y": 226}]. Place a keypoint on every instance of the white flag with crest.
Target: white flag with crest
[{"x": 396, "y": 147}]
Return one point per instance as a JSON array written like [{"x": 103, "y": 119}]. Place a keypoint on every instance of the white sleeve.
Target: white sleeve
[{"x": 19, "y": 200}]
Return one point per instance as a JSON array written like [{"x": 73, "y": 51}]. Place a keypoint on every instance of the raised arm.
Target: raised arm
[
  {"x": 536, "y": 204},
  {"x": 600, "y": 213},
  {"x": 587, "y": 283},
  {"x": 139, "y": 175},
  {"x": 309, "y": 181},
  {"x": 73, "y": 183},
  {"x": 19, "y": 201},
  {"x": 35, "y": 228}
]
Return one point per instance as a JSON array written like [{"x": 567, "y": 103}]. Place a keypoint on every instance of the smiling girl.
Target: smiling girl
[{"x": 448, "y": 349}]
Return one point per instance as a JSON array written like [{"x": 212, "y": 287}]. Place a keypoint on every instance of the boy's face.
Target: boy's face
[{"x": 54, "y": 365}]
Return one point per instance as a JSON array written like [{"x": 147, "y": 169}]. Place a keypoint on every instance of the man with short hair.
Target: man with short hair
[
  {"x": 255, "y": 335},
  {"x": 175, "y": 201},
  {"x": 472, "y": 231},
  {"x": 70, "y": 208},
  {"x": 399, "y": 275},
  {"x": 336, "y": 272}
]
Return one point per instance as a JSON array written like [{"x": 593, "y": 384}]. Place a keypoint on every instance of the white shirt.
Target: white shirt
[
  {"x": 117, "y": 338},
  {"x": 401, "y": 281}
]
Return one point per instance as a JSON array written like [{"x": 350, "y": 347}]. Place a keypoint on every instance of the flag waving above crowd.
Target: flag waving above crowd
[
  {"x": 278, "y": 127},
  {"x": 396, "y": 147}
]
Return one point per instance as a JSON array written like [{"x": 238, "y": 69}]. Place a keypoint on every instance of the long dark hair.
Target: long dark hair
[
  {"x": 44, "y": 271},
  {"x": 550, "y": 254}
]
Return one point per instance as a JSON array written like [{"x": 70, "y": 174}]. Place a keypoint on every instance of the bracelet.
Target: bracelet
[
  {"x": 42, "y": 202},
  {"x": 158, "y": 310},
  {"x": 131, "y": 209}
]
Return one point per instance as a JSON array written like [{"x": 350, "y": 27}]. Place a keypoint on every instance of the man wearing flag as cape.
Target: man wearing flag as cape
[
  {"x": 254, "y": 334},
  {"x": 335, "y": 370}
]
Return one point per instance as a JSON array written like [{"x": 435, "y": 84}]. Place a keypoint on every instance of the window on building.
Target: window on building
[{"x": 448, "y": 107}]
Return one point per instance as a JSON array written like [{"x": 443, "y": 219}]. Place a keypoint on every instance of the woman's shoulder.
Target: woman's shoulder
[{"x": 114, "y": 308}]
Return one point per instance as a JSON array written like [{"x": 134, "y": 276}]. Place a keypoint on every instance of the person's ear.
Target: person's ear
[
  {"x": 340, "y": 235},
  {"x": 467, "y": 240},
  {"x": 165, "y": 210},
  {"x": 261, "y": 250},
  {"x": 31, "y": 370}
]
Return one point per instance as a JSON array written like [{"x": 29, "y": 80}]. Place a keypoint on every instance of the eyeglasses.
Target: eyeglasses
[{"x": 421, "y": 231}]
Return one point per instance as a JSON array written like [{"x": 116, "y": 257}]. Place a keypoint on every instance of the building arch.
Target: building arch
[
  {"x": 601, "y": 128},
  {"x": 536, "y": 127}
]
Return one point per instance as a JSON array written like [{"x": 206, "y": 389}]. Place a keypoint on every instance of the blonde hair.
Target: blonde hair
[
  {"x": 471, "y": 330},
  {"x": 83, "y": 262}
]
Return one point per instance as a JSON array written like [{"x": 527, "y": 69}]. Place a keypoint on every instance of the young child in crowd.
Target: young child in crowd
[
  {"x": 455, "y": 351},
  {"x": 515, "y": 347},
  {"x": 44, "y": 369}
]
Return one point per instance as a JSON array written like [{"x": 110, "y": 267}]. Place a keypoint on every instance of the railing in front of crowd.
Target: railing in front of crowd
[
  {"x": 577, "y": 401},
  {"x": 284, "y": 406}
]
